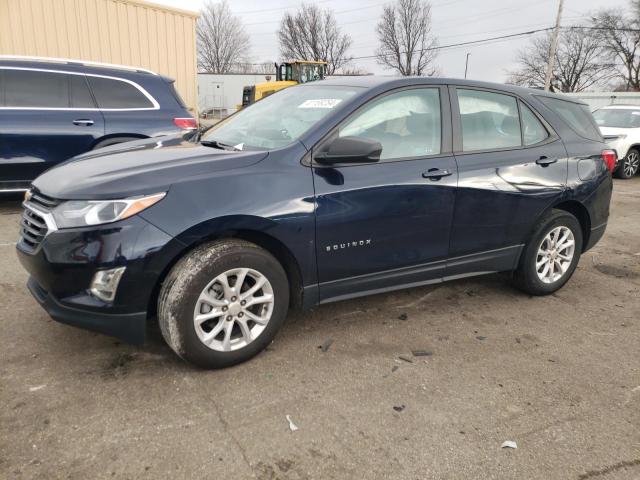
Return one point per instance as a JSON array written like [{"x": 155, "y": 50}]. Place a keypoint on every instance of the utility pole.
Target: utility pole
[
  {"x": 553, "y": 47},
  {"x": 466, "y": 66}
]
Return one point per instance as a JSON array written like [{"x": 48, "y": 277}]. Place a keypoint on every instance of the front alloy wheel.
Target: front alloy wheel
[
  {"x": 233, "y": 309},
  {"x": 223, "y": 303}
]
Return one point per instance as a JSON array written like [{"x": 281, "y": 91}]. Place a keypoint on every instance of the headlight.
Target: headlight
[{"x": 80, "y": 213}]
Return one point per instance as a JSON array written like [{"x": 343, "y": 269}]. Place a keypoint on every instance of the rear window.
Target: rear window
[
  {"x": 577, "y": 116},
  {"x": 617, "y": 117},
  {"x": 35, "y": 89},
  {"x": 112, "y": 93}
]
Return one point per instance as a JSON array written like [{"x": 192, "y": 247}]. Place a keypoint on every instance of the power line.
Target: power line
[
  {"x": 471, "y": 42},
  {"x": 459, "y": 44}
]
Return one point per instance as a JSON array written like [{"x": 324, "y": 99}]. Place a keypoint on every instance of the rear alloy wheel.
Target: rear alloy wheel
[
  {"x": 555, "y": 254},
  {"x": 551, "y": 255},
  {"x": 629, "y": 165},
  {"x": 223, "y": 303}
]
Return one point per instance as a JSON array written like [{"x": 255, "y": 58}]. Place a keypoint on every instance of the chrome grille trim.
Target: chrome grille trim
[{"x": 37, "y": 222}]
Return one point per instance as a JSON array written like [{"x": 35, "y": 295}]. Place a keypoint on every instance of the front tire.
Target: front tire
[
  {"x": 551, "y": 255},
  {"x": 223, "y": 303},
  {"x": 629, "y": 165}
]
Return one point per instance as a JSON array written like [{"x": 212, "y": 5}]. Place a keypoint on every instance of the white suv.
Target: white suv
[{"x": 620, "y": 126}]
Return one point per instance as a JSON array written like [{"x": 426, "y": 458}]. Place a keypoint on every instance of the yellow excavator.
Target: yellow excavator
[{"x": 287, "y": 75}]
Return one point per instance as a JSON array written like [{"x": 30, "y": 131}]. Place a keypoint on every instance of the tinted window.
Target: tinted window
[
  {"x": 576, "y": 115},
  {"x": 489, "y": 120},
  {"x": 407, "y": 123},
  {"x": 79, "y": 94},
  {"x": 27, "y": 88},
  {"x": 617, "y": 117},
  {"x": 111, "y": 93},
  {"x": 532, "y": 129}
]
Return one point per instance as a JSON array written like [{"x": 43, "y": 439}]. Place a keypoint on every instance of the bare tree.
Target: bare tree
[
  {"x": 578, "y": 62},
  {"x": 406, "y": 42},
  {"x": 355, "y": 71},
  {"x": 313, "y": 34},
  {"x": 221, "y": 38},
  {"x": 620, "y": 35}
]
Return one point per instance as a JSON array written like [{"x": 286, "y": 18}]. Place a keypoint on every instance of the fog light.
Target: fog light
[{"x": 105, "y": 283}]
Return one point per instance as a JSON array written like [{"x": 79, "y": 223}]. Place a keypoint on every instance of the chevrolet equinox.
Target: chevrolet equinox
[{"x": 318, "y": 193}]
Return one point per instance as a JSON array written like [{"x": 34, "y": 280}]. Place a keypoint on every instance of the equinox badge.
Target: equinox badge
[{"x": 344, "y": 246}]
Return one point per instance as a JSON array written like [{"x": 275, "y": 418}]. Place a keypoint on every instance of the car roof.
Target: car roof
[
  {"x": 373, "y": 81},
  {"x": 71, "y": 65}
]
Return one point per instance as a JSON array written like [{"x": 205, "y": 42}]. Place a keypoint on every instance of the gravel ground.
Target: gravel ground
[{"x": 559, "y": 375}]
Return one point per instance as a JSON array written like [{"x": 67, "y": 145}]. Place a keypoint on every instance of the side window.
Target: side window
[
  {"x": 532, "y": 129},
  {"x": 112, "y": 93},
  {"x": 27, "y": 88},
  {"x": 79, "y": 94},
  {"x": 407, "y": 123},
  {"x": 489, "y": 120}
]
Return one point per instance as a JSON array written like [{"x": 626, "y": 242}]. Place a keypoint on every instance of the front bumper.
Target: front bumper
[
  {"x": 130, "y": 327},
  {"x": 62, "y": 266}
]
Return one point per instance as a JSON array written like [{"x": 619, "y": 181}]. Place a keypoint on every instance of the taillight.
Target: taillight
[
  {"x": 186, "y": 123},
  {"x": 609, "y": 158}
]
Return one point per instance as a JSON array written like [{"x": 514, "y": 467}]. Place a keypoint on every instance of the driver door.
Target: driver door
[{"x": 386, "y": 225}]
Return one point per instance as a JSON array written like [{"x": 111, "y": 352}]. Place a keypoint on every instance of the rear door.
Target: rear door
[
  {"x": 511, "y": 167},
  {"x": 385, "y": 225},
  {"x": 46, "y": 117}
]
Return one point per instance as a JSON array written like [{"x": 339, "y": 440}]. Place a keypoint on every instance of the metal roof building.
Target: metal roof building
[{"x": 126, "y": 32}]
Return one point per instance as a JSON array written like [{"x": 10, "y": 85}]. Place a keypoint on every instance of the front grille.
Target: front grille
[
  {"x": 42, "y": 201},
  {"x": 33, "y": 226}
]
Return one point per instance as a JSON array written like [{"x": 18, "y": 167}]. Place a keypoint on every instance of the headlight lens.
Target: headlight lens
[{"x": 81, "y": 213}]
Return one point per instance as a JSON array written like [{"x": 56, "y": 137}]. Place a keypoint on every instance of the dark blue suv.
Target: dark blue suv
[
  {"x": 321, "y": 192},
  {"x": 55, "y": 109}
]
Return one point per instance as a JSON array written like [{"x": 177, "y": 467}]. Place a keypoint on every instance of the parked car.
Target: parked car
[
  {"x": 54, "y": 109},
  {"x": 321, "y": 192},
  {"x": 620, "y": 125}
]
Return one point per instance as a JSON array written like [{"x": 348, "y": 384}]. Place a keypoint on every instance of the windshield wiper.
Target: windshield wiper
[{"x": 219, "y": 145}]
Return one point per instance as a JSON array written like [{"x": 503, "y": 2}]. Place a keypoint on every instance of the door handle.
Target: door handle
[
  {"x": 83, "y": 121},
  {"x": 436, "y": 173},
  {"x": 544, "y": 161}
]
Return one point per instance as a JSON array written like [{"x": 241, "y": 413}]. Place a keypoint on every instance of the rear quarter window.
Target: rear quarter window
[
  {"x": 117, "y": 94},
  {"x": 576, "y": 115}
]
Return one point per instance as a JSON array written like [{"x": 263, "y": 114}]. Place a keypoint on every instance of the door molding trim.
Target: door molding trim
[{"x": 481, "y": 263}]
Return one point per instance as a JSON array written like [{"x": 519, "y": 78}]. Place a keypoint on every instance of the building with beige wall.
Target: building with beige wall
[{"x": 126, "y": 32}]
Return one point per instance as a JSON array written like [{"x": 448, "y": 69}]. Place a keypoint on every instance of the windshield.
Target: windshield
[
  {"x": 617, "y": 117},
  {"x": 279, "y": 119},
  {"x": 309, "y": 72}
]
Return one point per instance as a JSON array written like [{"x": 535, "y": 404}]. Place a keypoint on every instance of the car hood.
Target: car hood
[{"x": 138, "y": 168}]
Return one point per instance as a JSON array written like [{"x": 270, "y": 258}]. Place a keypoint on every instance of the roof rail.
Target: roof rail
[{"x": 78, "y": 62}]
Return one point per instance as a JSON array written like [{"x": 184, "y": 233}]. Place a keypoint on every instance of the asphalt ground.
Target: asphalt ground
[{"x": 558, "y": 375}]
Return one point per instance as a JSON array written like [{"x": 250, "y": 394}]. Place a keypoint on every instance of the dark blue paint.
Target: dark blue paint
[
  {"x": 33, "y": 140},
  {"x": 408, "y": 230}
]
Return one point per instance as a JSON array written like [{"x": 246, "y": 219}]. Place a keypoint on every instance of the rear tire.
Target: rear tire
[
  {"x": 551, "y": 255},
  {"x": 209, "y": 319},
  {"x": 629, "y": 165}
]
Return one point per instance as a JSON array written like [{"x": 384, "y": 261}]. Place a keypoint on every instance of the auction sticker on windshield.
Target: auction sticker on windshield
[{"x": 320, "y": 103}]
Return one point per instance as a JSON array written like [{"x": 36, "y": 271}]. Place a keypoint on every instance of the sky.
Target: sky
[{"x": 454, "y": 21}]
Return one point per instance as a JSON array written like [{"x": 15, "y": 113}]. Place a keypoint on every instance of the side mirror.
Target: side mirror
[{"x": 350, "y": 150}]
